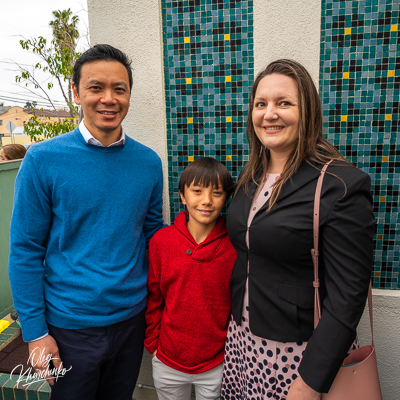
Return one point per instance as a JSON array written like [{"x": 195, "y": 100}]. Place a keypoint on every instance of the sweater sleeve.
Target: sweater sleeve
[
  {"x": 30, "y": 224},
  {"x": 155, "y": 301},
  {"x": 154, "y": 218},
  {"x": 347, "y": 253}
]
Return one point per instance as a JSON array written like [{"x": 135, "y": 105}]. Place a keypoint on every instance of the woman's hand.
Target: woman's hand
[
  {"x": 301, "y": 391},
  {"x": 154, "y": 354}
]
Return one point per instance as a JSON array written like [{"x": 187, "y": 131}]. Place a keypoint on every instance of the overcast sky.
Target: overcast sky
[{"x": 25, "y": 18}]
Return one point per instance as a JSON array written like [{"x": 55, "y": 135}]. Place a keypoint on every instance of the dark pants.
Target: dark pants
[{"x": 105, "y": 361}]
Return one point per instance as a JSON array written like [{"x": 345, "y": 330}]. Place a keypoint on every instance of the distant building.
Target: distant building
[
  {"x": 3, "y": 109},
  {"x": 20, "y": 117}
]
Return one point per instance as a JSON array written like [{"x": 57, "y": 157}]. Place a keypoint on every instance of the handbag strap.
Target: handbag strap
[{"x": 315, "y": 254}]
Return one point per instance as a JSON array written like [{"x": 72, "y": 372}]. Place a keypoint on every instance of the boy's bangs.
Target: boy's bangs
[{"x": 206, "y": 178}]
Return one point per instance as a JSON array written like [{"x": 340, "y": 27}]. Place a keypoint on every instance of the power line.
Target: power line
[
  {"x": 14, "y": 63},
  {"x": 39, "y": 103},
  {"x": 23, "y": 96},
  {"x": 27, "y": 97}
]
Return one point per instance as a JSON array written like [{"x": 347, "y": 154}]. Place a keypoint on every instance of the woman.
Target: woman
[
  {"x": 272, "y": 350},
  {"x": 12, "y": 152}
]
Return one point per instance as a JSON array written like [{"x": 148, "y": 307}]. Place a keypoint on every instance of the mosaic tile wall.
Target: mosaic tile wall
[
  {"x": 359, "y": 87},
  {"x": 208, "y": 65}
]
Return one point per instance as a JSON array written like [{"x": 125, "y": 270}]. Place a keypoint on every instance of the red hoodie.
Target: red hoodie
[{"x": 189, "y": 299}]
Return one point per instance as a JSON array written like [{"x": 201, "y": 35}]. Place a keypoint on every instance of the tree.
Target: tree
[
  {"x": 57, "y": 58},
  {"x": 36, "y": 128},
  {"x": 66, "y": 34},
  {"x": 29, "y": 104}
]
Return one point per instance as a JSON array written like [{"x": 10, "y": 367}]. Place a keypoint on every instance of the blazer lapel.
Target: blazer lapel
[{"x": 305, "y": 174}]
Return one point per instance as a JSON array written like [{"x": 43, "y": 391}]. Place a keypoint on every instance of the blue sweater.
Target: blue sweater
[{"x": 81, "y": 220}]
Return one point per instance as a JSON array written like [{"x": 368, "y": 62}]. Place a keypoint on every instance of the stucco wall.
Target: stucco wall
[
  {"x": 287, "y": 29},
  {"x": 386, "y": 314},
  {"x": 135, "y": 28}
]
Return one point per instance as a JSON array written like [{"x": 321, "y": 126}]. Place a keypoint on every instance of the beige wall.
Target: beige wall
[
  {"x": 20, "y": 139},
  {"x": 134, "y": 26},
  {"x": 287, "y": 29}
]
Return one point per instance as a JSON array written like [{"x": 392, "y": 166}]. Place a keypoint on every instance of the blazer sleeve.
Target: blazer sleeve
[{"x": 346, "y": 248}]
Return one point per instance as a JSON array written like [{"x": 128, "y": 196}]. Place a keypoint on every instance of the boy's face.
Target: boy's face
[{"x": 204, "y": 205}]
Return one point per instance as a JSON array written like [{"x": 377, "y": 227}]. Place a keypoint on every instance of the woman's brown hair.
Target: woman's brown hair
[
  {"x": 311, "y": 145},
  {"x": 14, "y": 151}
]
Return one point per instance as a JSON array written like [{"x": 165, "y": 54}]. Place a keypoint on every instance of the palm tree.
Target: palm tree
[
  {"x": 66, "y": 34},
  {"x": 65, "y": 30}
]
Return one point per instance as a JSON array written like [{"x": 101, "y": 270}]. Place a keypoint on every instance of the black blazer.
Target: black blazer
[{"x": 281, "y": 293}]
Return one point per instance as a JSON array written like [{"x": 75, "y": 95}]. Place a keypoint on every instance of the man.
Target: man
[{"x": 86, "y": 204}]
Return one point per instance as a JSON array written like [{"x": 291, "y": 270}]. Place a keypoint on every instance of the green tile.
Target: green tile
[
  {"x": 7, "y": 387},
  {"x": 4, "y": 378},
  {"x": 30, "y": 395},
  {"x": 20, "y": 394},
  {"x": 44, "y": 391}
]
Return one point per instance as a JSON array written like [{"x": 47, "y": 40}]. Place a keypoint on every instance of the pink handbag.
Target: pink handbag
[{"x": 358, "y": 377}]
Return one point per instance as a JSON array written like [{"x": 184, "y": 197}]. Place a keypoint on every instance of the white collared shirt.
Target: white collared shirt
[{"x": 89, "y": 139}]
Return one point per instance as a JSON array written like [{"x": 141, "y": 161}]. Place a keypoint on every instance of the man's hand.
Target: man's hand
[
  {"x": 155, "y": 353},
  {"x": 301, "y": 391},
  {"x": 41, "y": 352}
]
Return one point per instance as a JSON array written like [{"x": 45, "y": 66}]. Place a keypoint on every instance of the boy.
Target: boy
[{"x": 190, "y": 263}]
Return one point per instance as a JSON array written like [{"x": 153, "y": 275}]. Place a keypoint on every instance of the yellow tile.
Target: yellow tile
[
  {"x": 379, "y": 237},
  {"x": 385, "y": 159},
  {"x": 189, "y": 81},
  {"x": 343, "y": 118},
  {"x": 227, "y": 79},
  {"x": 190, "y": 120},
  {"x": 393, "y": 28},
  {"x": 228, "y": 158},
  {"x": 377, "y": 274},
  {"x": 390, "y": 74},
  {"x": 187, "y": 39},
  {"x": 5, "y": 324},
  {"x": 191, "y": 158},
  {"x": 347, "y": 31},
  {"x": 388, "y": 117},
  {"x": 382, "y": 199},
  {"x": 227, "y": 36},
  {"x": 228, "y": 119},
  {"x": 346, "y": 75}
]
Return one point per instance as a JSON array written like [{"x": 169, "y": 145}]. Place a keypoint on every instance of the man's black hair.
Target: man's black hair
[{"x": 103, "y": 52}]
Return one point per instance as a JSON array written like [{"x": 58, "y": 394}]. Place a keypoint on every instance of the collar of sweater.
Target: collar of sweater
[{"x": 218, "y": 231}]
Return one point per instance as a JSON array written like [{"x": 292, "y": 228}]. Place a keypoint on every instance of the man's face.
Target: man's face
[{"x": 104, "y": 94}]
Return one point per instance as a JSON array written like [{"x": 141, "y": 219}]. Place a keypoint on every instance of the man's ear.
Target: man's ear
[
  {"x": 182, "y": 198},
  {"x": 76, "y": 95}
]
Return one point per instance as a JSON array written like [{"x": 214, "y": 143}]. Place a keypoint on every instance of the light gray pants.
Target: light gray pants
[{"x": 175, "y": 385}]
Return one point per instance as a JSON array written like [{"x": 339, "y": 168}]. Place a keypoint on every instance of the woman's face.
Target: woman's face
[
  {"x": 276, "y": 114},
  {"x": 3, "y": 156}
]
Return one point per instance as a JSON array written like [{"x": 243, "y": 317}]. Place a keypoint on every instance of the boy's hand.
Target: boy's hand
[{"x": 154, "y": 354}]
